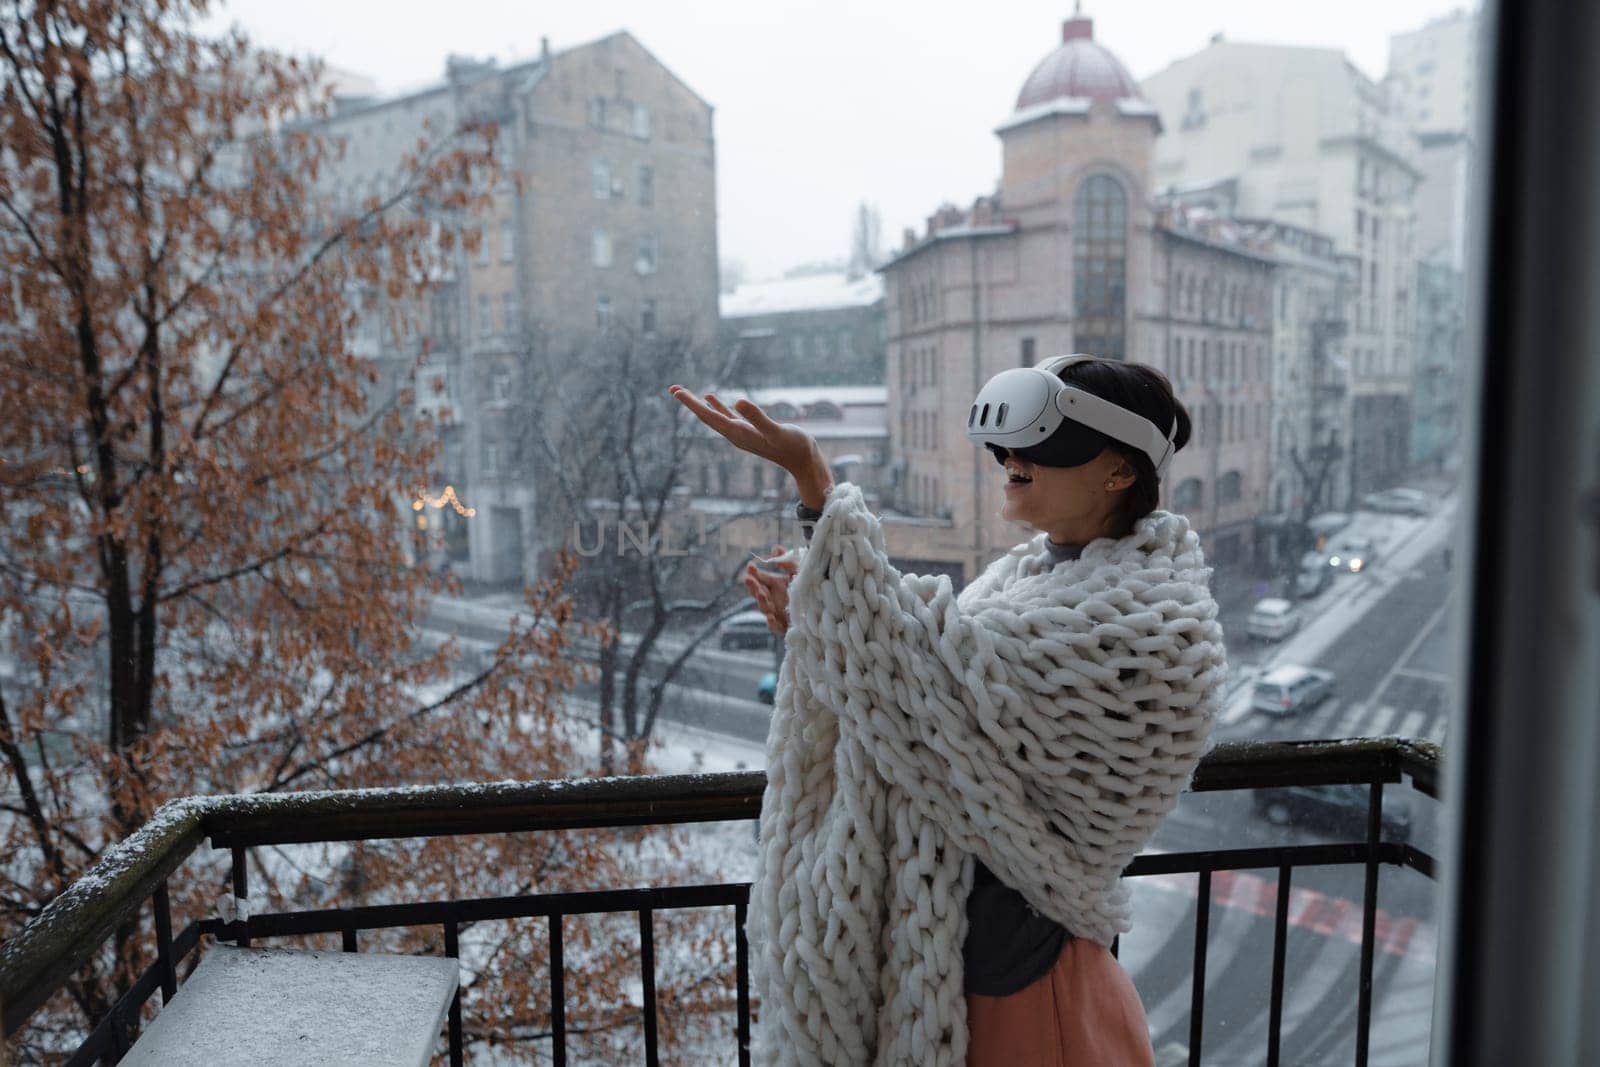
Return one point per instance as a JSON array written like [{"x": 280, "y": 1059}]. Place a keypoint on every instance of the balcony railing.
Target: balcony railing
[{"x": 37, "y": 963}]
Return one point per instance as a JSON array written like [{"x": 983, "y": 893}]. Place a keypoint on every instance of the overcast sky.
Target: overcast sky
[{"x": 823, "y": 104}]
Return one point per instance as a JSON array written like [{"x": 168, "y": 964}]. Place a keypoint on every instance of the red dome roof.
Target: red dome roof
[{"x": 1079, "y": 68}]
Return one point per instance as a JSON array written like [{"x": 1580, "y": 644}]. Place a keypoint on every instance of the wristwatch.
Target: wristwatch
[{"x": 808, "y": 517}]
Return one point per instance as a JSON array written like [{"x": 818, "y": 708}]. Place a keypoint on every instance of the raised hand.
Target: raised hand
[{"x": 752, "y": 430}]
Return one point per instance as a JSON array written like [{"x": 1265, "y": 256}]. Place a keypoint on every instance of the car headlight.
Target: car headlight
[
  {"x": 1335, "y": 561},
  {"x": 1355, "y": 565}
]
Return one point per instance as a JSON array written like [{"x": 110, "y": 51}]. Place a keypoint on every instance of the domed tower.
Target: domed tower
[{"x": 1077, "y": 153}]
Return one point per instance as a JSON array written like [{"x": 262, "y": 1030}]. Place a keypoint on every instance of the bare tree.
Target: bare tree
[
  {"x": 866, "y": 240},
  {"x": 617, "y": 453}
]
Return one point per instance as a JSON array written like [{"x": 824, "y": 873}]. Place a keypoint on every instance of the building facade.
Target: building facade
[
  {"x": 1440, "y": 344},
  {"x": 1311, "y": 141},
  {"x": 821, "y": 329},
  {"x": 605, "y": 221},
  {"x": 1071, "y": 254},
  {"x": 1433, "y": 79}
]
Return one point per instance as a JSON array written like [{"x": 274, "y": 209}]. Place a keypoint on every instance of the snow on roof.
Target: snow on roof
[
  {"x": 812, "y": 292},
  {"x": 1288, "y": 674},
  {"x": 802, "y": 395}
]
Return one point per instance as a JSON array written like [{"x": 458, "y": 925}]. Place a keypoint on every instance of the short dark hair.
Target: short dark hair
[{"x": 1145, "y": 390}]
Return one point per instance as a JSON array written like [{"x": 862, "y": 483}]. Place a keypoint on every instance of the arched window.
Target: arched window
[
  {"x": 1230, "y": 487},
  {"x": 1099, "y": 267},
  {"x": 1187, "y": 496},
  {"x": 823, "y": 409}
]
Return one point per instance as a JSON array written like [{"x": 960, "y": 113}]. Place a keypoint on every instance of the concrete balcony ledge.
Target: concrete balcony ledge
[{"x": 248, "y": 1006}]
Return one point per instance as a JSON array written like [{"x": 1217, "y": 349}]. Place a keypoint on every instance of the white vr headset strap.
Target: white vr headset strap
[{"x": 1113, "y": 420}]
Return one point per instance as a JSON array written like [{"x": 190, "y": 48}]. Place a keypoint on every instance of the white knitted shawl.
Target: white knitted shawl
[{"x": 1044, "y": 721}]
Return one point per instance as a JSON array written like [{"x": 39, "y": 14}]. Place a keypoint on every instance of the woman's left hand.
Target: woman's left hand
[{"x": 751, "y": 429}]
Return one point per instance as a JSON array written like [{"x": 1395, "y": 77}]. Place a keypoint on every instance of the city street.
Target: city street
[{"x": 1385, "y": 636}]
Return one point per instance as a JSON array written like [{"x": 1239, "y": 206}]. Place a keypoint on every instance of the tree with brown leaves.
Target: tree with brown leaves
[{"x": 206, "y": 583}]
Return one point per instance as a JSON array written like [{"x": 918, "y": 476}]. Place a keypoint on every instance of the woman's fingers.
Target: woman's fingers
[
  {"x": 755, "y": 440},
  {"x": 752, "y": 411},
  {"x": 722, "y": 420}
]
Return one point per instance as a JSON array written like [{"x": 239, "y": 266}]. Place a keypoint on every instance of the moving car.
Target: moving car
[
  {"x": 1272, "y": 619},
  {"x": 1328, "y": 523},
  {"x": 1353, "y": 554},
  {"x": 747, "y": 629},
  {"x": 1340, "y": 809},
  {"x": 1288, "y": 689},
  {"x": 1398, "y": 502}
]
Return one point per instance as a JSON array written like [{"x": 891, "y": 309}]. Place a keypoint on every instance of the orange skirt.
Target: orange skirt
[{"x": 1084, "y": 1012}]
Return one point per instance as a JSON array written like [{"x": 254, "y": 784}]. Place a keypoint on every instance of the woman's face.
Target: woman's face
[{"x": 1072, "y": 503}]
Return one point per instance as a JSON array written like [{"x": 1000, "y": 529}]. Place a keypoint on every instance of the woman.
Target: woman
[{"x": 956, "y": 783}]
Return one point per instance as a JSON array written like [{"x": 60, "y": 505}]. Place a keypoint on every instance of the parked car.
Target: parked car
[
  {"x": 1353, "y": 554},
  {"x": 1313, "y": 578},
  {"x": 1289, "y": 689},
  {"x": 1272, "y": 619},
  {"x": 1340, "y": 809},
  {"x": 747, "y": 629},
  {"x": 767, "y": 686},
  {"x": 1398, "y": 502}
]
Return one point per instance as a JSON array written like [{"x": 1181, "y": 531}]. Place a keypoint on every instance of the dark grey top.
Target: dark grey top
[{"x": 1009, "y": 946}]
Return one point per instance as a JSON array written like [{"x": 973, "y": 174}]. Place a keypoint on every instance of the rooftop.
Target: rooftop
[
  {"x": 812, "y": 292},
  {"x": 1080, "y": 68}
]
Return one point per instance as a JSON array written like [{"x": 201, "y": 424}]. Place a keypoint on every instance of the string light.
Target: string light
[{"x": 447, "y": 497}]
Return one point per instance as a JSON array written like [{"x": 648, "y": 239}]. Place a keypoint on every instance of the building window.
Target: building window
[
  {"x": 647, "y": 317},
  {"x": 1027, "y": 351},
  {"x": 1099, "y": 260},
  {"x": 600, "y": 243},
  {"x": 641, "y": 122},
  {"x": 647, "y": 184},
  {"x": 491, "y": 457},
  {"x": 485, "y": 316},
  {"x": 600, "y": 179},
  {"x": 597, "y": 112},
  {"x": 508, "y": 243},
  {"x": 483, "y": 247},
  {"x": 646, "y": 263},
  {"x": 602, "y": 311},
  {"x": 500, "y": 384},
  {"x": 1230, "y": 487},
  {"x": 1187, "y": 496},
  {"x": 508, "y": 313}
]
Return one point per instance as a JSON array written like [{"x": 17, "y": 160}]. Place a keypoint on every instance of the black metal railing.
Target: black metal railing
[{"x": 36, "y": 963}]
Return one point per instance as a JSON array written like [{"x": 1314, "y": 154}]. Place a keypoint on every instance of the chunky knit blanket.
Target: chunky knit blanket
[{"x": 1044, "y": 721}]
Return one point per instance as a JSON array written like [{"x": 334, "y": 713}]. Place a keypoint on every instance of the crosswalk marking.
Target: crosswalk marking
[
  {"x": 1321, "y": 721},
  {"x": 1411, "y": 725},
  {"x": 1337, "y": 719},
  {"x": 1380, "y": 720}
]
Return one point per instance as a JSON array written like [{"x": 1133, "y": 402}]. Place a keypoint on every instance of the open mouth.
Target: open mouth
[{"x": 1017, "y": 481}]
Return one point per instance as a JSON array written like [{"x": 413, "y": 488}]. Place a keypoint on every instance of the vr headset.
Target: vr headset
[{"x": 1032, "y": 412}]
